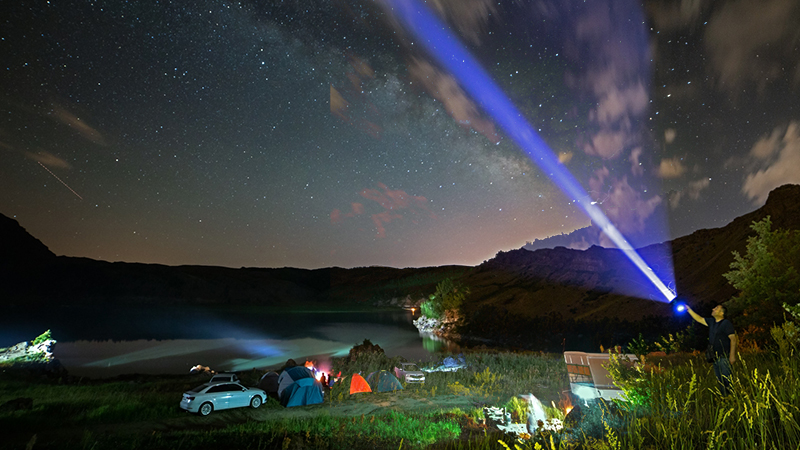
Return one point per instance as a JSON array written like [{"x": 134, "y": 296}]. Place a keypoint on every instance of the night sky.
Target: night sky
[{"x": 317, "y": 134}]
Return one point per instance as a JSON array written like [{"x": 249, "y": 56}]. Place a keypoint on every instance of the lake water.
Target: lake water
[{"x": 98, "y": 343}]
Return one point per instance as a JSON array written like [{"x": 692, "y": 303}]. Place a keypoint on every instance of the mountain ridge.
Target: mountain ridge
[{"x": 512, "y": 292}]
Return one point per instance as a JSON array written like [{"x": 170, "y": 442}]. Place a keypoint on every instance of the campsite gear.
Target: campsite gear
[
  {"x": 298, "y": 387},
  {"x": 358, "y": 384},
  {"x": 383, "y": 381},
  {"x": 588, "y": 379},
  {"x": 269, "y": 383}
]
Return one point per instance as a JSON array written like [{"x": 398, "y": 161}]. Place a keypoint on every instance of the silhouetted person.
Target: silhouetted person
[{"x": 723, "y": 340}]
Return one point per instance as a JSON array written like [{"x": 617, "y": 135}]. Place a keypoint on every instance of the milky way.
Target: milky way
[{"x": 318, "y": 134}]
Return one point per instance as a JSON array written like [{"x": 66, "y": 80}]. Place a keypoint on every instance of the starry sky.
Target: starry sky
[{"x": 319, "y": 133}]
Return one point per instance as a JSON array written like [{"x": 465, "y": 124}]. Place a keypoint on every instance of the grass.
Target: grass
[{"x": 678, "y": 406}]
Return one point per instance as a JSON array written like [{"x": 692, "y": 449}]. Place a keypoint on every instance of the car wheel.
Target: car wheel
[
  {"x": 205, "y": 409},
  {"x": 255, "y": 402}
]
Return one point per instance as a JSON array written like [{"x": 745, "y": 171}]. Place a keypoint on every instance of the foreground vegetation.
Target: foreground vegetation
[{"x": 673, "y": 403}]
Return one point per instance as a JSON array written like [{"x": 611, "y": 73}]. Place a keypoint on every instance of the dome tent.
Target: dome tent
[
  {"x": 383, "y": 381},
  {"x": 358, "y": 384},
  {"x": 298, "y": 387},
  {"x": 269, "y": 383}
]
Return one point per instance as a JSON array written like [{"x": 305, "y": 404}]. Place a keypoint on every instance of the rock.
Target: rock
[
  {"x": 42, "y": 351},
  {"x": 366, "y": 347},
  {"x": 427, "y": 325}
]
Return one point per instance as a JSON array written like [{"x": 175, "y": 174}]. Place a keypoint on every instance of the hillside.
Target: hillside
[{"x": 553, "y": 291}]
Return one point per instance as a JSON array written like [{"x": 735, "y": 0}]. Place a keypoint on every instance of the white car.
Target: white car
[
  {"x": 211, "y": 397},
  {"x": 410, "y": 373},
  {"x": 224, "y": 378}
]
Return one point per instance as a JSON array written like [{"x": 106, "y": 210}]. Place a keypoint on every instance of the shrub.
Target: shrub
[{"x": 42, "y": 338}]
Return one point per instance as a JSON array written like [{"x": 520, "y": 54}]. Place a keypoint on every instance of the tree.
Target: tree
[
  {"x": 452, "y": 294},
  {"x": 448, "y": 298},
  {"x": 767, "y": 275}
]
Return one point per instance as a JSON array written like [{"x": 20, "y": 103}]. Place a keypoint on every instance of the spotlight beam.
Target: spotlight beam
[{"x": 449, "y": 52}]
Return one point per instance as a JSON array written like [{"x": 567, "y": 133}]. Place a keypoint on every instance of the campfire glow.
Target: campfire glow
[
  {"x": 565, "y": 404},
  {"x": 319, "y": 373}
]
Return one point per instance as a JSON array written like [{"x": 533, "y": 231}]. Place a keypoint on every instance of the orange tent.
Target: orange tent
[{"x": 358, "y": 384}]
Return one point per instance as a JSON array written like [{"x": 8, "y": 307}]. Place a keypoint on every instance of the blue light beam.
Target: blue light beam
[{"x": 450, "y": 53}]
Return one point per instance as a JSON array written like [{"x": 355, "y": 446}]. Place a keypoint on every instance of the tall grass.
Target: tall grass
[
  {"x": 687, "y": 411},
  {"x": 683, "y": 409}
]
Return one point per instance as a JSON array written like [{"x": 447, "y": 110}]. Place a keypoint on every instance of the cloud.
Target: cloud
[
  {"x": 692, "y": 191},
  {"x": 338, "y": 217},
  {"x": 616, "y": 103},
  {"x": 623, "y": 205},
  {"x": 60, "y": 114},
  {"x": 695, "y": 187},
  {"x": 675, "y": 15},
  {"x": 779, "y": 158},
  {"x": 396, "y": 204},
  {"x": 607, "y": 144},
  {"x": 445, "y": 88},
  {"x": 671, "y": 168},
  {"x": 470, "y": 17},
  {"x": 48, "y": 159},
  {"x": 636, "y": 165},
  {"x": 351, "y": 103},
  {"x": 669, "y": 135},
  {"x": 613, "y": 53},
  {"x": 766, "y": 147},
  {"x": 338, "y": 104},
  {"x": 753, "y": 41}
]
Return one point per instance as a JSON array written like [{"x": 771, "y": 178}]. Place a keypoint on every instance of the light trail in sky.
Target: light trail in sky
[
  {"x": 59, "y": 179},
  {"x": 433, "y": 34}
]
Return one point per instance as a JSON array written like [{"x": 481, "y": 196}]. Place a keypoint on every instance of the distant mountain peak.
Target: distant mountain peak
[{"x": 17, "y": 246}]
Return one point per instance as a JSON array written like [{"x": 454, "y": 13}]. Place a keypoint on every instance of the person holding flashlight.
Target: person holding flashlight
[{"x": 723, "y": 340}]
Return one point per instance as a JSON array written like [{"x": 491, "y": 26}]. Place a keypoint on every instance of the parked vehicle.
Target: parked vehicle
[
  {"x": 409, "y": 373},
  {"x": 224, "y": 378},
  {"x": 206, "y": 398}
]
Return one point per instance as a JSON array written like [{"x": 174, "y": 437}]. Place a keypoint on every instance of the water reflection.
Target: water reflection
[
  {"x": 177, "y": 356},
  {"x": 107, "y": 342},
  {"x": 436, "y": 344}
]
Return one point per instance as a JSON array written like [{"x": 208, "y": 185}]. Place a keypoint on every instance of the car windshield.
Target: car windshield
[{"x": 410, "y": 367}]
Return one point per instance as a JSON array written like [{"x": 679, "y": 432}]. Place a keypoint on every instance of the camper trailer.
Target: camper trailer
[{"x": 588, "y": 379}]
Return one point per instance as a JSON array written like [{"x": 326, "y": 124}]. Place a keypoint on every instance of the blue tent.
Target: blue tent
[
  {"x": 383, "y": 381},
  {"x": 298, "y": 387}
]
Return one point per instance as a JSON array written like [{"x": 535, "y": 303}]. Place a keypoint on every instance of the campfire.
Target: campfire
[{"x": 320, "y": 373}]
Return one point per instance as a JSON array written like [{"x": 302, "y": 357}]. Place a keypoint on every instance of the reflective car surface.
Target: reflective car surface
[
  {"x": 410, "y": 373},
  {"x": 206, "y": 398},
  {"x": 224, "y": 378}
]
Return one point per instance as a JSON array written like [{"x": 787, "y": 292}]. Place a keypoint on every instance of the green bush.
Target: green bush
[
  {"x": 42, "y": 338},
  {"x": 432, "y": 309}
]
